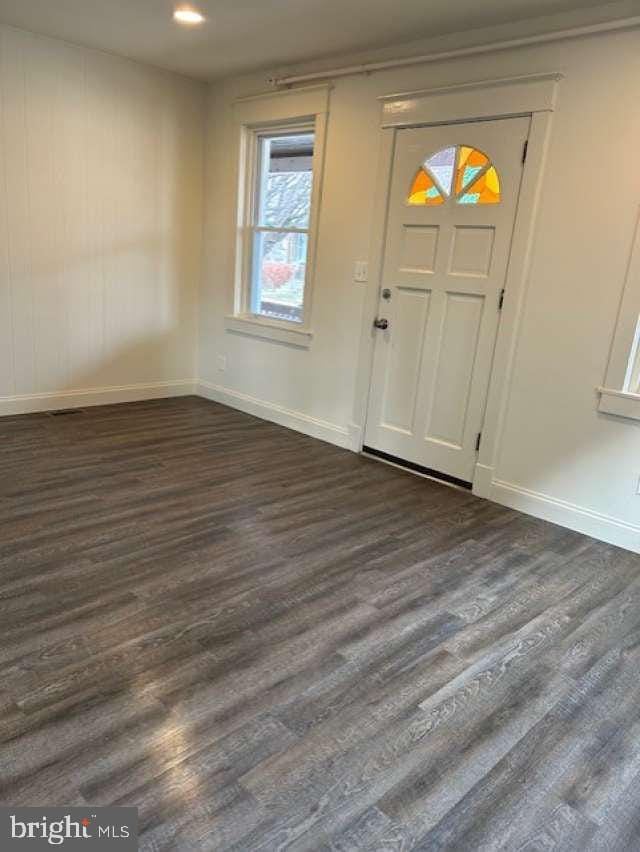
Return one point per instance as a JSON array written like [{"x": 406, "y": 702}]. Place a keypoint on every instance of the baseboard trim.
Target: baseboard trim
[
  {"x": 482, "y": 479},
  {"x": 578, "y": 518},
  {"x": 356, "y": 437},
  {"x": 81, "y": 398},
  {"x": 312, "y": 426}
]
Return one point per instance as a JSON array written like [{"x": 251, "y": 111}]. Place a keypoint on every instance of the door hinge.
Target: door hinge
[
  {"x": 501, "y": 299},
  {"x": 478, "y": 442},
  {"x": 525, "y": 151}
]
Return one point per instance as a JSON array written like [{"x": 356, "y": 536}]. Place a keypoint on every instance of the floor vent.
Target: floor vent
[{"x": 65, "y": 412}]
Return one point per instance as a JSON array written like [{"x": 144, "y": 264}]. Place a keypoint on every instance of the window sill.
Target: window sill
[
  {"x": 282, "y": 332},
  {"x": 620, "y": 403}
]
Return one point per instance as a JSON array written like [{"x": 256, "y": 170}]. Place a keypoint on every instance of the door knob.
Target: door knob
[{"x": 381, "y": 323}]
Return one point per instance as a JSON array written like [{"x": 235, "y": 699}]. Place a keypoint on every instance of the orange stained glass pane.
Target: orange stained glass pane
[
  {"x": 424, "y": 190},
  {"x": 470, "y": 164},
  {"x": 486, "y": 190}
]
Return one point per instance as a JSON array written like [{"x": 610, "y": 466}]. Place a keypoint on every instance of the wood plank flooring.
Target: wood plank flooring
[{"x": 264, "y": 643}]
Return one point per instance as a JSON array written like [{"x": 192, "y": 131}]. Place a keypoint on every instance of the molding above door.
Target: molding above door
[{"x": 472, "y": 101}]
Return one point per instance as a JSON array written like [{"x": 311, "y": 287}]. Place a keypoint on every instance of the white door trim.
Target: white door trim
[
  {"x": 472, "y": 101},
  {"x": 535, "y": 96}
]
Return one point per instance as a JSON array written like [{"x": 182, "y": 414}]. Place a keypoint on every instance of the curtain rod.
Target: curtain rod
[{"x": 524, "y": 41}]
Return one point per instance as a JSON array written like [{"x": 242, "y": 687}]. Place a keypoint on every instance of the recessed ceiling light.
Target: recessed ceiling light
[{"x": 186, "y": 15}]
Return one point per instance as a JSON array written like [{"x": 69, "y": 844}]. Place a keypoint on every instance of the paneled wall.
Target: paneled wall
[{"x": 100, "y": 222}]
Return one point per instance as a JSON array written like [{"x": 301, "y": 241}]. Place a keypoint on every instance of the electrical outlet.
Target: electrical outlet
[
  {"x": 361, "y": 271},
  {"x": 222, "y": 363}
]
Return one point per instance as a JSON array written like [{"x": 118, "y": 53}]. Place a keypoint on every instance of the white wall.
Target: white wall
[
  {"x": 100, "y": 224},
  {"x": 559, "y": 457}
]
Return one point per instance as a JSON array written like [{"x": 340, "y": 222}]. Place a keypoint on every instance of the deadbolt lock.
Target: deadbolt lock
[{"x": 386, "y": 294}]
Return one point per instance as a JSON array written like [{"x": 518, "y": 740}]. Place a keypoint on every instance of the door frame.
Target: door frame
[{"x": 484, "y": 100}]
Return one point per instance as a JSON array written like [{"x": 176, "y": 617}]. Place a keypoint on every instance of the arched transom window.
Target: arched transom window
[{"x": 461, "y": 173}]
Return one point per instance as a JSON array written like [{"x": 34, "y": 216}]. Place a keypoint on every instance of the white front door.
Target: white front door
[{"x": 452, "y": 206}]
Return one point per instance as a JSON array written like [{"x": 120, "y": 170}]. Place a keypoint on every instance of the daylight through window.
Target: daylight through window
[{"x": 284, "y": 181}]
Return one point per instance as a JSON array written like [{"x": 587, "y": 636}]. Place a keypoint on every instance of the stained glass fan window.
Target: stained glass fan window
[{"x": 462, "y": 173}]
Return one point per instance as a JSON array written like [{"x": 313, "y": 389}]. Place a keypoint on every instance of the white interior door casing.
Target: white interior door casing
[{"x": 445, "y": 268}]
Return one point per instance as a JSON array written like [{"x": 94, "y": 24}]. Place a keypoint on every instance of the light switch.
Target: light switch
[{"x": 361, "y": 271}]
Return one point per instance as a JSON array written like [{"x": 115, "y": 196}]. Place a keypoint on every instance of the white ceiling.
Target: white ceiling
[{"x": 242, "y": 35}]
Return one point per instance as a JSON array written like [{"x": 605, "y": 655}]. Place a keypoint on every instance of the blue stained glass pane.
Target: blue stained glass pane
[
  {"x": 469, "y": 198},
  {"x": 469, "y": 173},
  {"x": 441, "y": 166}
]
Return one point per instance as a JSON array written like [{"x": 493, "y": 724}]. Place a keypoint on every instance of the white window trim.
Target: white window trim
[
  {"x": 619, "y": 394},
  {"x": 297, "y": 110}
]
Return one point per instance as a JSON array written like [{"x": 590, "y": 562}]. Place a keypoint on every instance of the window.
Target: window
[
  {"x": 280, "y": 227},
  {"x": 461, "y": 172},
  {"x": 281, "y": 138},
  {"x": 621, "y": 391}
]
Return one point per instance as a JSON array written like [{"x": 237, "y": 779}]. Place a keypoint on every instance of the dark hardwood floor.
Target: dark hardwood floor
[{"x": 264, "y": 642}]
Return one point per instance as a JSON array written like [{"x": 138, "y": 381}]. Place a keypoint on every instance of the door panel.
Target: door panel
[
  {"x": 456, "y": 360},
  {"x": 472, "y": 250},
  {"x": 419, "y": 249},
  {"x": 404, "y": 363},
  {"x": 445, "y": 265}
]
